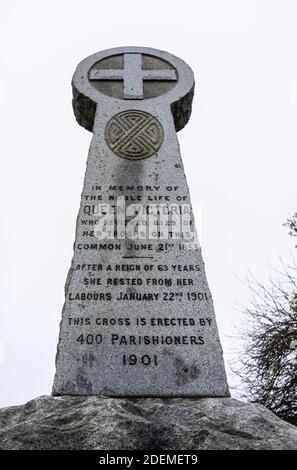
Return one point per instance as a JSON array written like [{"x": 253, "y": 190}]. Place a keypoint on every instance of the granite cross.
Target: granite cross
[
  {"x": 138, "y": 318},
  {"x": 133, "y": 75}
]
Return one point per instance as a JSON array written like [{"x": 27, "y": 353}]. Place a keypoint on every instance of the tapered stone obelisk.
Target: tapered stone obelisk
[{"x": 138, "y": 318}]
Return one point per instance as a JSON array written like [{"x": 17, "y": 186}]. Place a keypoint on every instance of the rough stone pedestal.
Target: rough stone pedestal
[{"x": 148, "y": 423}]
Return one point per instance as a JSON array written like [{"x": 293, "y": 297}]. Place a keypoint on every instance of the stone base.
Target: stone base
[{"x": 174, "y": 423}]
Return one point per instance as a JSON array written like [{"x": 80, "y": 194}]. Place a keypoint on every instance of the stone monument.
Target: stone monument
[
  {"x": 138, "y": 322},
  {"x": 138, "y": 318}
]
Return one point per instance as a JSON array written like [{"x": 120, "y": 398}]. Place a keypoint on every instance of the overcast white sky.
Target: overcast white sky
[{"x": 239, "y": 151}]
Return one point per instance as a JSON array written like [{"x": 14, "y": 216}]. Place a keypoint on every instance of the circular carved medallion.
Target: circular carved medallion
[{"x": 134, "y": 134}]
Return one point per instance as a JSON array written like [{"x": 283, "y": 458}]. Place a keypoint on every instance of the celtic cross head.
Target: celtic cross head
[{"x": 133, "y": 97}]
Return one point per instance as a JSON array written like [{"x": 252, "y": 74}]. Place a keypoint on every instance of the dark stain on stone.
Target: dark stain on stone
[
  {"x": 166, "y": 352},
  {"x": 82, "y": 381},
  {"x": 68, "y": 387},
  {"x": 88, "y": 359},
  {"x": 148, "y": 436},
  {"x": 185, "y": 373},
  {"x": 155, "y": 437},
  {"x": 131, "y": 290}
]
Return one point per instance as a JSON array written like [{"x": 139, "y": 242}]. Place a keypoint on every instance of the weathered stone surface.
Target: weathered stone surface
[
  {"x": 109, "y": 423},
  {"x": 138, "y": 318},
  {"x": 84, "y": 105}
]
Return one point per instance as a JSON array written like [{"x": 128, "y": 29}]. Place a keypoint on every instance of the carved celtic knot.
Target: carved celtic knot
[{"x": 134, "y": 134}]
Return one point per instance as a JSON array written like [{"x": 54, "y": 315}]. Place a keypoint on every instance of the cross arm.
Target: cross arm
[{"x": 110, "y": 74}]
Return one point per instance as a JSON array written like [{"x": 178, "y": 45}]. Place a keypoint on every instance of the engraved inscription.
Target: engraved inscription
[{"x": 134, "y": 134}]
